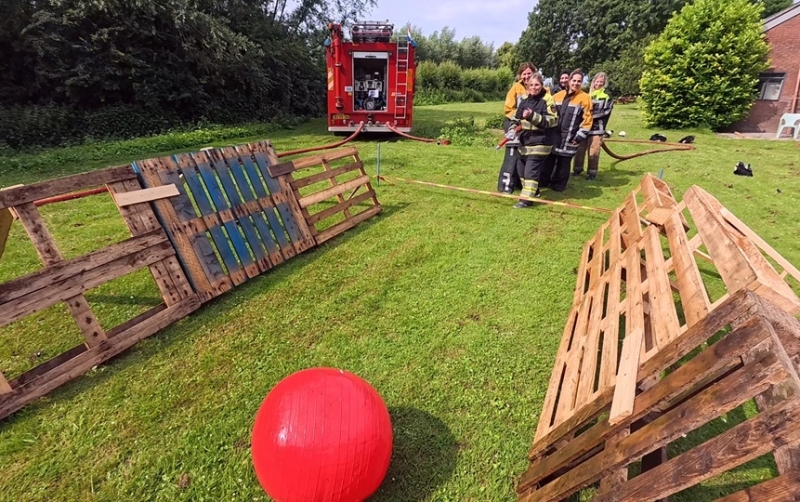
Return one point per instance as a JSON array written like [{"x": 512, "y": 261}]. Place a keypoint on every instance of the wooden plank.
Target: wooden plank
[
  {"x": 334, "y": 183},
  {"x": 613, "y": 481},
  {"x": 48, "y": 252},
  {"x": 187, "y": 165},
  {"x": 664, "y": 318},
  {"x": 258, "y": 184},
  {"x": 325, "y": 175},
  {"x": 59, "y": 186},
  {"x": 625, "y": 389},
  {"x": 21, "y": 396},
  {"x": 326, "y": 213},
  {"x": 698, "y": 373},
  {"x": 659, "y": 215},
  {"x": 64, "y": 270},
  {"x": 215, "y": 191},
  {"x": 199, "y": 240},
  {"x": 262, "y": 203},
  {"x": 739, "y": 307},
  {"x": 761, "y": 243},
  {"x": 780, "y": 489},
  {"x": 146, "y": 195},
  {"x": 732, "y": 265},
  {"x": 281, "y": 169},
  {"x": 317, "y": 197},
  {"x": 140, "y": 220},
  {"x": 315, "y": 160},
  {"x": 694, "y": 299},
  {"x": 337, "y": 229},
  {"x": 283, "y": 195},
  {"x": 734, "y": 447},
  {"x": 6, "y": 219},
  {"x": 256, "y": 247},
  {"x": 608, "y": 366},
  {"x": 5, "y": 387},
  {"x": 720, "y": 398},
  {"x": 70, "y": 288},
  {"x": 630, "y": 216}
]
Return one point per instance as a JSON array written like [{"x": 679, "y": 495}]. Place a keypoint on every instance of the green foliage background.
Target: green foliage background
[{"x": 703, "y": 68}]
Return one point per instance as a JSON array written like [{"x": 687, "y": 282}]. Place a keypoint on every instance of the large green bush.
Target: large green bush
[
  {"x": 703, "y": 69},
  {"x": 625, "y": 72},
  {"x": 448, "y": 83}
]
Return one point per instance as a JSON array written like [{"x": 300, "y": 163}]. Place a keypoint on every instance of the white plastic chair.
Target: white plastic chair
[{"x": 790, "y": 121}]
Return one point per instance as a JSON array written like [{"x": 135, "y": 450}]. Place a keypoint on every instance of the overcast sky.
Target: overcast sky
[{"x": 493, "y": 21}]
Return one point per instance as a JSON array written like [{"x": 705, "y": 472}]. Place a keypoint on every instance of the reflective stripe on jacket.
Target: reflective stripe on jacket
[
  {"x": 574, "y": 122},
  {"x": 602, "y": 104}
]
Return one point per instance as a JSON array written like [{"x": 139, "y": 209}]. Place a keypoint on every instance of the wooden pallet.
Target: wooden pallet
[
  {"x": 332, "y": 189},
  {"x": 67, "y": 280},
  {"x": 231, "y": 220},
  {"x": 641, "y": 297}
]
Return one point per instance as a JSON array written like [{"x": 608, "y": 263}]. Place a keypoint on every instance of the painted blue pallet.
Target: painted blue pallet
[
  {"x": 273, "y": 186},
  {"x": 258, "y": 186},
  {"x": 218, "y": 198}
]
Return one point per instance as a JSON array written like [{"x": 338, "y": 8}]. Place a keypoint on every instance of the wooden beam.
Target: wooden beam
[
  {"x": 625, "y": 389},
  {"x": 59, "y": 186},
  {"x": 146, "y": 195}
]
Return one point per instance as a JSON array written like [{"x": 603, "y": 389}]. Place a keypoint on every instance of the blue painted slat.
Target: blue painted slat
[
  {"x": 256, "y": 180},
  {"x": 224, "y": 173},
  {"x": 286, "y": 213},
  {"x": 247, "y": 193},
  {"x": 221, "y": 204},
  {"x": 223, "y": 246}
]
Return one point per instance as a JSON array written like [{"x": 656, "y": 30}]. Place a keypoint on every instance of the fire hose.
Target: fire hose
[
  {"x": 496, "y": 194},
  {"x": 417, "y": 138},
  {"x": 671, "y": 147},
  {"x": 325, "y": 147}
]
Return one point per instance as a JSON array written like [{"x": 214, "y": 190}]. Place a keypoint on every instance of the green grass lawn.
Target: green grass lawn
[{"x": 450, "y": 304}]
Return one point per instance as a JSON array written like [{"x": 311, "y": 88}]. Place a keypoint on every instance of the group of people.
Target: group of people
[{"x": 550, "y": 131}]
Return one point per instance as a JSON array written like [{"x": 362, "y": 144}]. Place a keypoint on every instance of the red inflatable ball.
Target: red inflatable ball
[{"x": 322, "y": 434}]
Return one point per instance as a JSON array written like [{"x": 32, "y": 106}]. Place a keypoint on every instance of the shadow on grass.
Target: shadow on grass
[{"x": 424, "y": 456}]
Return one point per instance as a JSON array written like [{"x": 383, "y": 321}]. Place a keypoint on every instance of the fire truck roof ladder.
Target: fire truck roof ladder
[{"x": 401, "y": 94}]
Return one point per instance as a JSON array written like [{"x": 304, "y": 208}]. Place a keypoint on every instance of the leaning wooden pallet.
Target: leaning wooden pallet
[
  {"x": 67, "y": 280},
  {"x": 641, "y": 304},
  {"x": 201, "y": 222}
]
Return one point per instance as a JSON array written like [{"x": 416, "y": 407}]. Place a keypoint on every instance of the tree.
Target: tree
[
  {"x": 574, "y": 33},
  {"x": 625, "y": 72},
  {"x": 507, "y": 56},
  {"x": 703, "y": 68},
  {"x": 773, "y": 6}
]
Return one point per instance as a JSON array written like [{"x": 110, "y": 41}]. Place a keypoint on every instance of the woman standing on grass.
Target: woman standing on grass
[
  {"x": 536, "y": 114},
  {"x": 574, "y": 122},
  {"x": 602, "y": 104},
  {"x": 508, "y": 181}
]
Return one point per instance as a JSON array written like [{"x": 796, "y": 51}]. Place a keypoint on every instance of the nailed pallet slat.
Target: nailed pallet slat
[
  {"x": 48, "y": 252},
  {"x": 262, "y": 226},
  {"x": 146, "y": 195},
  {"x": 316, "y": 160},
  {"x": 325, "y": 175},
  {"x": 30, "y": 193},
  {"x": 283, "y": 195},
  {"x": 255, "y": 248},
  {"x": 263, "y": 190},
  {"x": 24, "y": 394},
  {"x": 631, "y": 413},
  {"x": 213, "y": 222},
  {"x": 222, "y": 208}
]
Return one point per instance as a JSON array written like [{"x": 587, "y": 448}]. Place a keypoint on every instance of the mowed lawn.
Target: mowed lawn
[{"x": 450, "y": 304}]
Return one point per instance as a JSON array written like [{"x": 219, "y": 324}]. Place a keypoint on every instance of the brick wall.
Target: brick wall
[{"x": 785, "y": 56}]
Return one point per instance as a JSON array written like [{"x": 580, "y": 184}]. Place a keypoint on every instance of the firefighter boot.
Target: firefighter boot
[{"x": 529, "y": 189}]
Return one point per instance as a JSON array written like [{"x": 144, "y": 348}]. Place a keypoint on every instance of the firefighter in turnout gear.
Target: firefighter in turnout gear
[
  {"x": 574, "y": 122},
  {"x": 508, "y": 180},
  {"x": 602, "y": 104},
  {"x": 536, "y": 114}
]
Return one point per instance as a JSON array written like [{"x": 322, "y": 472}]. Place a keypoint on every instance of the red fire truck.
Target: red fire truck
[{"x": 370, "y": 78}]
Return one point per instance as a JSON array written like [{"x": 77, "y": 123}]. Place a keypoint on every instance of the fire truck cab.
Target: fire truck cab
[{"x": 370, "y": 78}]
